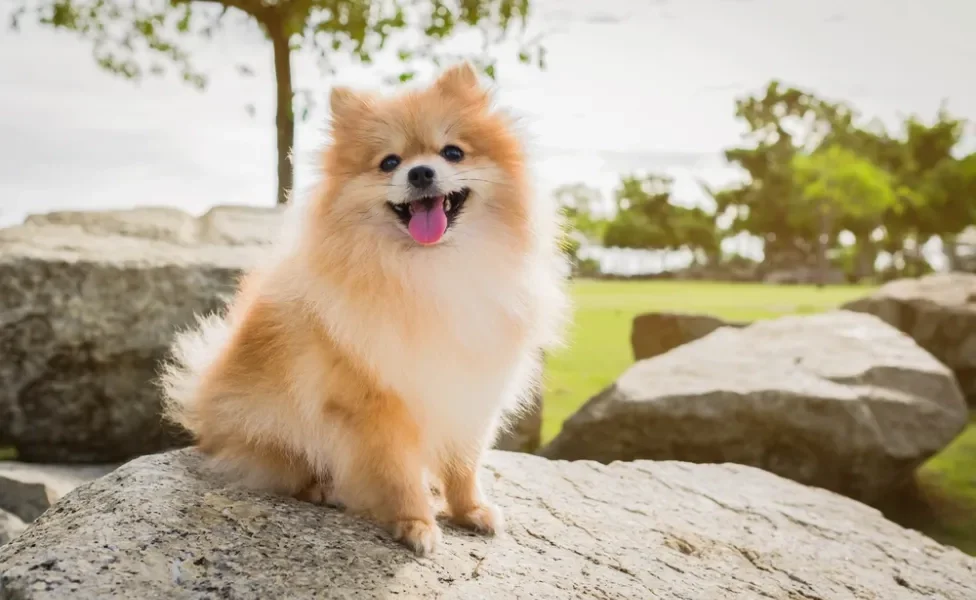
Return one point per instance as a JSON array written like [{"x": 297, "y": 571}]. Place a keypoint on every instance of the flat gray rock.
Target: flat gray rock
[
  {"x": 84, "y": 321},
  {"x": 840, "y": 400},
  {"x": 524, "y": 432},
  {"x": 655, "y": 333},
  {"x": 163, "y": 527},
  {"x": 221, "y": 225},
  {"x": 28, "y": 489},
  {"x": 939, "y": 312},
  {"x": 10, "y": 527}
]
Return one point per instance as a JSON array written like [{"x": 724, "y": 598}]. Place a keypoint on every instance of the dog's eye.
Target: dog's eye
[
  {"x": 452, "y": 153},
  {"x": 389, "y": 163}
]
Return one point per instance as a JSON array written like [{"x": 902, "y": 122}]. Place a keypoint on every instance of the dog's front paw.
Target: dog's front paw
[
  {"x": 483, "y": 518},
  {"x": 420, "y": 536}
]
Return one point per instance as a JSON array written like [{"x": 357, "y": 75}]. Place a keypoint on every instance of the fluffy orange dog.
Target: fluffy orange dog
[{"x": 387, "y": 341}]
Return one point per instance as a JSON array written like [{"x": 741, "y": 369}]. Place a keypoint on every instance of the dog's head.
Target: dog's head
[{"x": 425, "y": 168}]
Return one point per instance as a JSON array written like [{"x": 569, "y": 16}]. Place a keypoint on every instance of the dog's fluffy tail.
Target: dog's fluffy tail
[{"x": 192, "y": 352}]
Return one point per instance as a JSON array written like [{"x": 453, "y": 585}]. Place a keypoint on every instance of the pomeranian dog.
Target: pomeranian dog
[{"x": 397, "y": 330}]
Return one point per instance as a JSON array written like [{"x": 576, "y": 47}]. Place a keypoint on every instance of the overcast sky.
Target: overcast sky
[{"x": 629, "y": 85}]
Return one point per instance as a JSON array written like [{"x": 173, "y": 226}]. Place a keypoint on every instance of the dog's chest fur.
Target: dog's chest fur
[{"x": 463, "y": 354}]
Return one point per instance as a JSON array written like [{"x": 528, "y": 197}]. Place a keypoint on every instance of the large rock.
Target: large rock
[
  {"x": 939, "y": 312},
  {"x": 10, "y": 527},
  {"x": 525, "y": 432},
  {"x": 162, "y": 224},
  {"x": 28, "y": 489},
  {"x": 223, "y": 225},
  {"x": 652, "y": 334},
  {"x": 839, "y": 400},
  {"x": 87, "y": 310},
  {"x": 162, "y": 527}
]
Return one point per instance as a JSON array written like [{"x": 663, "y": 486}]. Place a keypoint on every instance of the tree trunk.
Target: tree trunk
[
  {"x": 865, "y": 258},
  {"x": 285, "y": 118},
  {"x": 914, "y": 260},
  {"x": 951, "y": 250},
  {"x": 823, "y": 240}
]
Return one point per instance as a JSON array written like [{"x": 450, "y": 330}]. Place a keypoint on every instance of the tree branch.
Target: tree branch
[{"x": 253, "y": 8}]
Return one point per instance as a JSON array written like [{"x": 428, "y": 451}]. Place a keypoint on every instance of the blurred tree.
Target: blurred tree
[
  {"x": 951, "y": 191},
  {"x": 932, "y": 193},
  {"x": 937, "y": 203},
  {"x": 781, "y": 122},
  {"x": 642, "y": 218},
  {"x": 834, "y": 183},
  {"x": 698, "y": 233},
  {"x": 934, "y": 188},
  {"x": 873, "y": 143},
  {"x": 133, "y": 38},
  {"x": 647, "y": 220},
  {"x": 582, "y": 205}
]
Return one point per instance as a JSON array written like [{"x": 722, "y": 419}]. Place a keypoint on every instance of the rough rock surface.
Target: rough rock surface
[
  {"x": 10, "y": 527},
  {"x": 85, "y": 317},
  {"x": 162, "y": 527},
  {"x": 525, "y": 433},
  {"x": 939, "y": 312},
  {"x": 28, "y": 489},
  {"x": 839, "y": 400},
  {"x": 222, "y": 225},
  {"x": 652, "y": 334}
]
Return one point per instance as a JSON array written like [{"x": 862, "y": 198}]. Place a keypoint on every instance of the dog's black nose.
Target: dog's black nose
[{"x": 421, "y": 177}]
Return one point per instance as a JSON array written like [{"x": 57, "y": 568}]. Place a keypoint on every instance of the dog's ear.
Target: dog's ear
[
  {"x": 460, "y": 79},
  {"x": 346, "y": 104}
]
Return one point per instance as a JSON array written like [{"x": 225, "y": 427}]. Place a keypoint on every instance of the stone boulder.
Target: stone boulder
[
  {"x": 28, "y": 489},
  {"x": 10, "y": 527},
  {"x": 163, "y": 527},
  {"x": 839, "y": 400},
  {"x": 939, "y": 312},
  {"x": 162, "y": 224},
  {"x": 525, "y": 432},
  {"x": 88, "y": 307},
  {"x": 222, "y": 225},
  {"x": 656, "y": 333}
]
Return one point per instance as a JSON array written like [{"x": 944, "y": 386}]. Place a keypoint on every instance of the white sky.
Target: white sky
[{"x": 630, "y": 85}]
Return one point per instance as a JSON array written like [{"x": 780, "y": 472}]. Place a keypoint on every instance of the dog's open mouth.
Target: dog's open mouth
[{"x": 427, "y": 219}]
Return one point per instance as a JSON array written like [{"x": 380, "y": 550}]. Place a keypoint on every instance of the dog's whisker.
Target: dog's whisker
[
  {"x": 492, "y": 181},
  {"x": 472, "y": 170}
]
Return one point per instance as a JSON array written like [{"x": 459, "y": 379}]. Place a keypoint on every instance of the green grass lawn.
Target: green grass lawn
[
  {"x": 943, "y": 504},
  {"x": 943, "y": 501}
]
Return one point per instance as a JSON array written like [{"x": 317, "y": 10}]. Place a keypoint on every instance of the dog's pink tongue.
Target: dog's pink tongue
[{"x": 427, "y": 225}]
